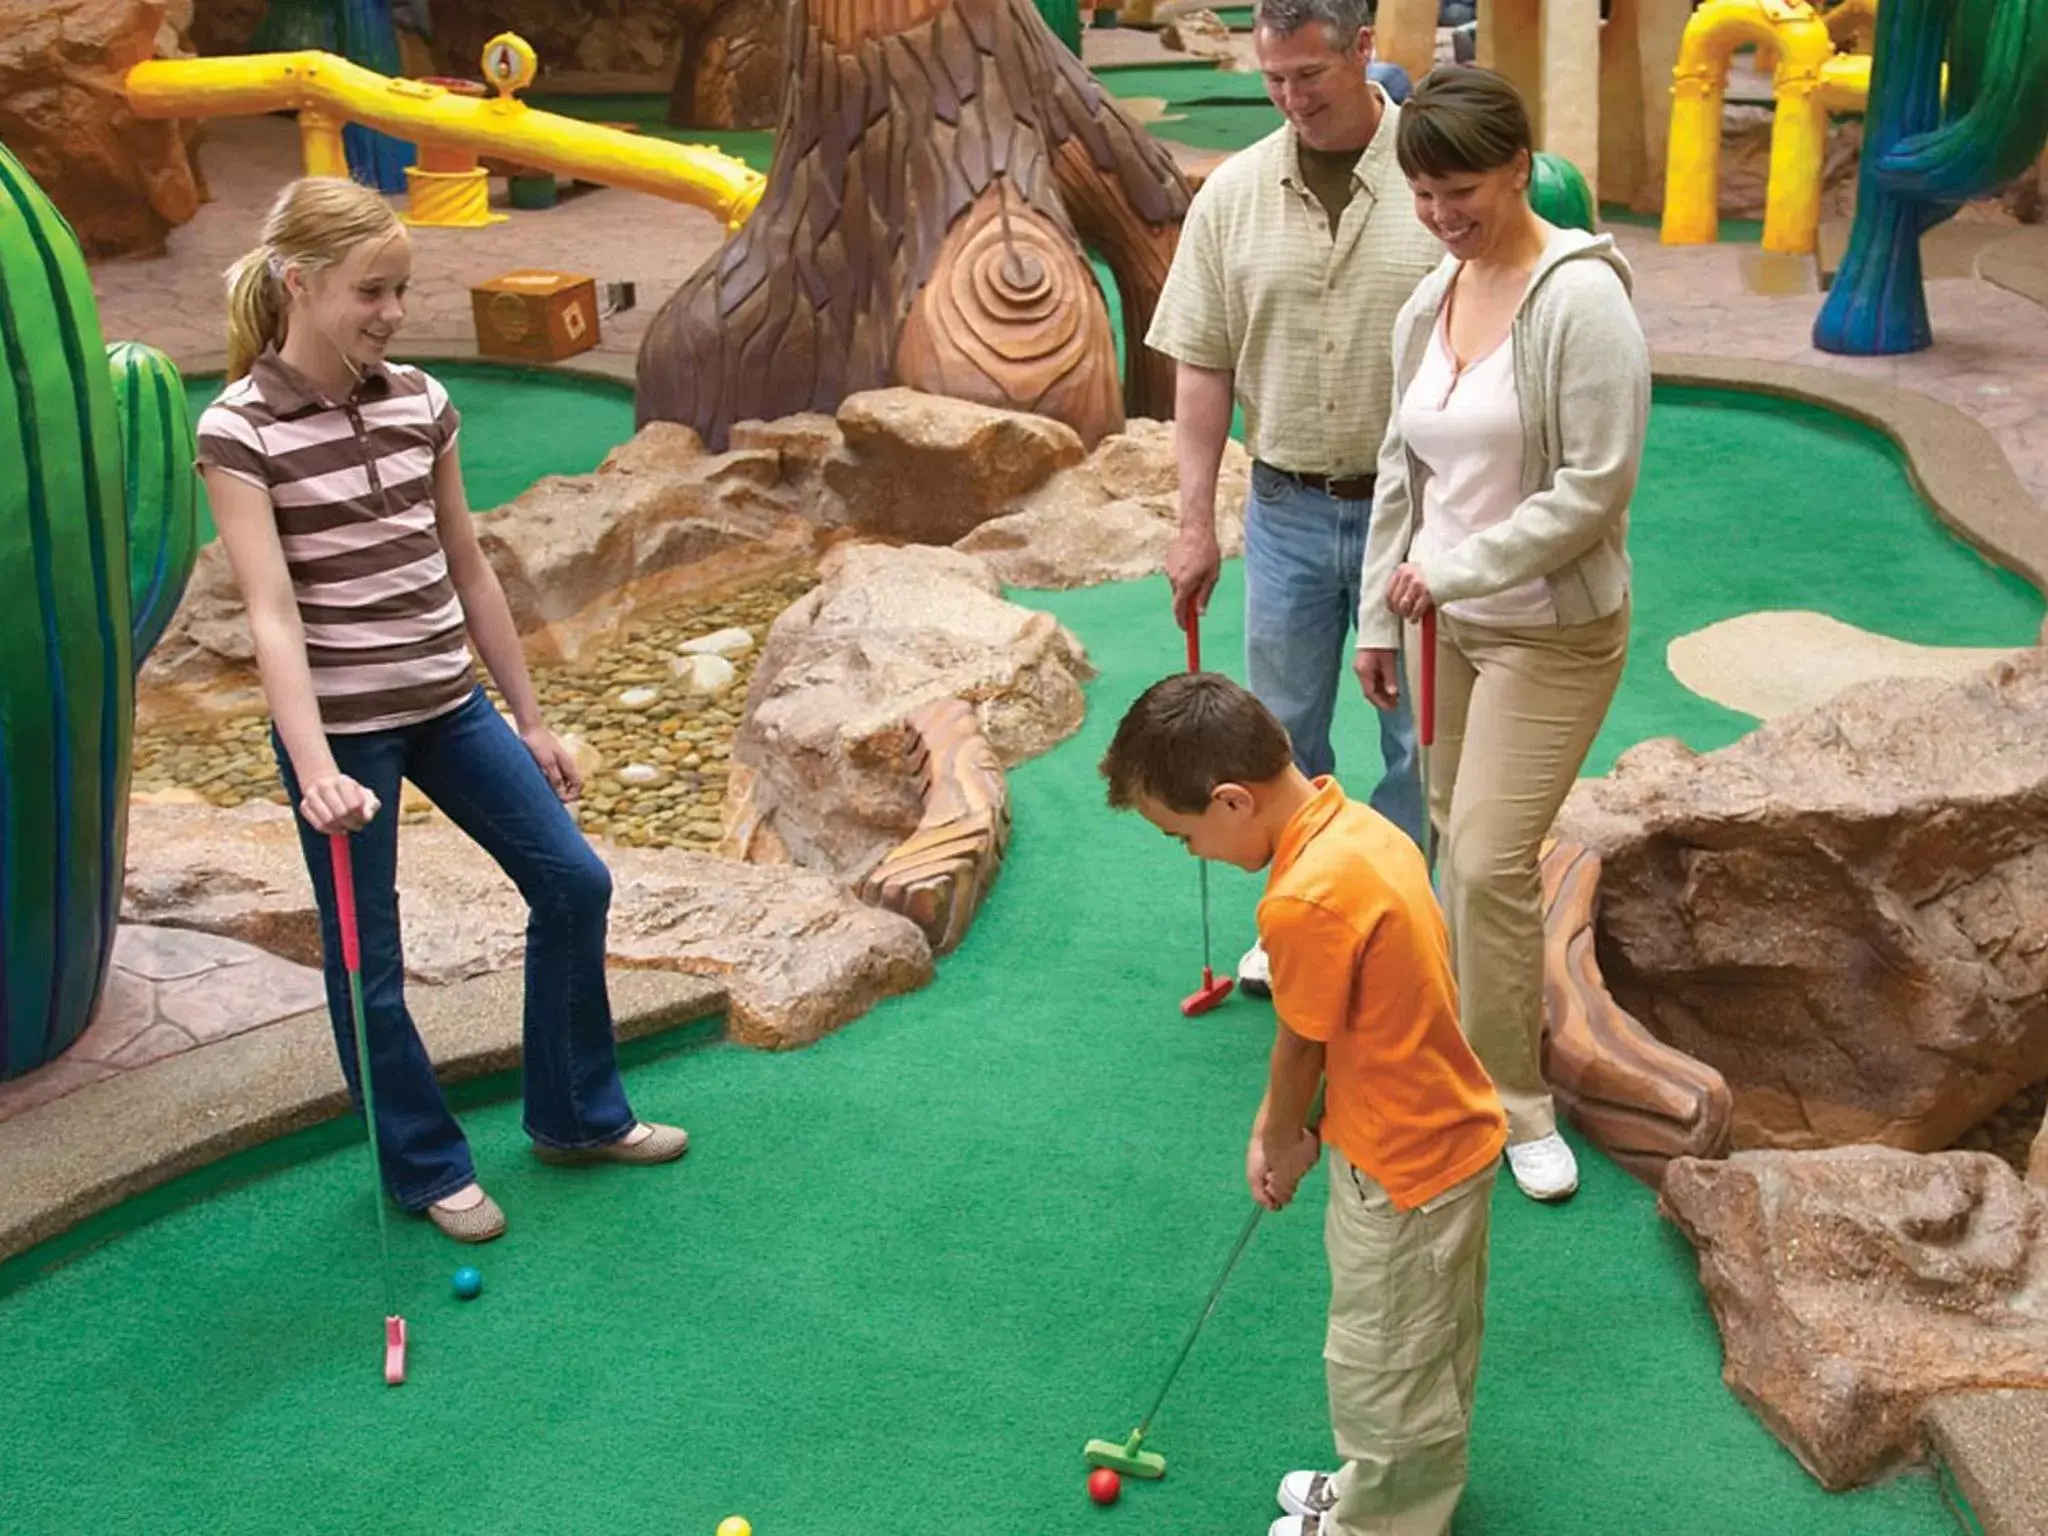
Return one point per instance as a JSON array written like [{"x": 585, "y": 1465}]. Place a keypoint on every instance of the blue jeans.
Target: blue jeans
[
  {"x": 471, "y": 765},
  {"x": 1304, "y": 556}
]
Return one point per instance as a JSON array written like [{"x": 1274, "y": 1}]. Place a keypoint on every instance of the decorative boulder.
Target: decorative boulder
[{"x": 1845, "y": 913}]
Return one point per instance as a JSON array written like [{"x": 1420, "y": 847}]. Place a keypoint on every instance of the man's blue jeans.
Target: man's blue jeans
[
  {"x": 1304, "y": 553},
  {"x": 471, "y": 765}
]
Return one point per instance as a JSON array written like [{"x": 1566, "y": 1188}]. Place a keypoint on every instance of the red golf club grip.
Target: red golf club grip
[
  {"x": 345, "y": 901},
  {"x": 1428, "y": 707},
  {"x": 1194, "y": 640}
]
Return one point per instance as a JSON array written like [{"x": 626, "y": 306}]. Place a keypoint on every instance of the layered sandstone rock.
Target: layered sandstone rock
[
  {"x": 929, "y": 469},
  {"x": 123, "y": 182},
  {"x": 1852, "y": 1286},
  {"x": 799, "y": 955},
  {"x": 1845, "y": 913},
  {"x": 1109, "y": 518},
  {"x": 886, "y": 633}
]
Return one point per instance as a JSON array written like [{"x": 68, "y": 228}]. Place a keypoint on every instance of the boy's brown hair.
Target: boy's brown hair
[{"x": 1185, "y": 735}]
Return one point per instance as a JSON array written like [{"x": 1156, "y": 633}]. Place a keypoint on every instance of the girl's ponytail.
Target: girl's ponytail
[
  {"x": 255, "y": 310},
  {"x": 314, "y": 223}
]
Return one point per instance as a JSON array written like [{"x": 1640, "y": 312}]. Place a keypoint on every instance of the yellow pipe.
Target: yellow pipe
[
  {"x": 1845, "y": 82},
  {"x": 1799, "y": 130},
  {"x": 321, "y": 144},
  {"x": 320, "y": 84}
]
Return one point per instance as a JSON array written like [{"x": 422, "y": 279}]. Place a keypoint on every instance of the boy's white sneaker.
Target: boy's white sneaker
[
  {"x": 1307, "y": 1493},
  {"x": 1545, "y": 1169},
  {"x": 1255, "y": 973},
  {"x": 1296, "y": 1525}
]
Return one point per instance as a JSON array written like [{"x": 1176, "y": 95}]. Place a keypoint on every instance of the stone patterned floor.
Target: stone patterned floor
[
  {"x": 170, "y": 991},
  {"x": 177, "y": 302}
]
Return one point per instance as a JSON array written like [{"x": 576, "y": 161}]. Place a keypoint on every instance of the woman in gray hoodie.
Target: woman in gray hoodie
[{"x": 1522, "y": 391}]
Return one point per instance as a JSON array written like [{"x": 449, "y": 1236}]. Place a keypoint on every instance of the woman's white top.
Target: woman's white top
[{"x": 1467, "y": 427}]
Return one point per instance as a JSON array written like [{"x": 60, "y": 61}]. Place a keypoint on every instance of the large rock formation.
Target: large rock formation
[
  {"x": 661, "y": 519},
  {"x": 1851, "y": 1286},
  {"x": 798, "y": 955},
  {"x": 123, "y": 182},
  {"x": 928, "y": 469},
  {"x": 1110, "y": 518},
  {"x": 1846, "y": 912},
  {"x": 574, "y": 544},
  {"x": 885, "y": 633}
]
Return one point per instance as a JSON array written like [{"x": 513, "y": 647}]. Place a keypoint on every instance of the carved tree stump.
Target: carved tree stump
[
  {"x": 1640, "y": 1099},
  {"x": 938, "y": 876},
  {"x": 938, "y": 167}
]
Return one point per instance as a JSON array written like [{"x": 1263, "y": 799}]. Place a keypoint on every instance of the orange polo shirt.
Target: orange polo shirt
[{"x": 1361, "y": 961}]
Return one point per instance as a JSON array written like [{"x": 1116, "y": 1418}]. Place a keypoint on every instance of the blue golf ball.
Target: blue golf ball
[{"x": 469, "y": 1283}]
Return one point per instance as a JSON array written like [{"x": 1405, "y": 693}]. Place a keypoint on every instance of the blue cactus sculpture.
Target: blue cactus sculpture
[{"x": 1925, "y": 156}]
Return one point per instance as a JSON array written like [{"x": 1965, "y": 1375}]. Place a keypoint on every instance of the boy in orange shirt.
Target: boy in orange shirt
[{"x": 1362, "y": 985}]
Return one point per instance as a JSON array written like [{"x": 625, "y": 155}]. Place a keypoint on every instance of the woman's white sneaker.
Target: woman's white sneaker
[{"x": 1545, "y": 1169}]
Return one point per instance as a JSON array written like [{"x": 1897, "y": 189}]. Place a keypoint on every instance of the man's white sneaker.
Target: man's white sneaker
[
  {"x": 1307, "y": 1493},
  {"x": 1254, "y": 974},
  {"x": 1296, "y": 1525},
  {"x": 1545, "y": 1169}
]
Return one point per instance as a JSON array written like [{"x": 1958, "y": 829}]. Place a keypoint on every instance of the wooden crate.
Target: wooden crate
[{"x": 535, "y": 316}]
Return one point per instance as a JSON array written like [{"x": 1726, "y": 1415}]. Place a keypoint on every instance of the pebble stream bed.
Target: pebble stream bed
[{"x": 654, "y": 750}]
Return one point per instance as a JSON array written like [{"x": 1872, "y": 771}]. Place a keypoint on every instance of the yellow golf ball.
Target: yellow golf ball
[{"x": 735, "y": 1525}]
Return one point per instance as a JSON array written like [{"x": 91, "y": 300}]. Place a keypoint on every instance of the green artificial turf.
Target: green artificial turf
[
  {"x": 907, "y": 1272},
  {"x": 518, "y": 424}
]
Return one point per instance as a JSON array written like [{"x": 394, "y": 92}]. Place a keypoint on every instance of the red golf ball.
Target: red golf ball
[{"x": 1104, "y": 1485}]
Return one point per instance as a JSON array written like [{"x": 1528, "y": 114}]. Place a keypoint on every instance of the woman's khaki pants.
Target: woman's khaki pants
[
  {"x": 1516, "y": 712},
  {"x": 1407, "y": 1312}
]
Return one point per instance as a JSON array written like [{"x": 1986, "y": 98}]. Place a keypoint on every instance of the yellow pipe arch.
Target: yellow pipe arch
[
  {"x": 1806, "y": 84},
  {"x": 324, "y": 90}
]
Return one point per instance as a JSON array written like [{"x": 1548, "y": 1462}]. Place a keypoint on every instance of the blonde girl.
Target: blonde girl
[{"x": 336, "y": 484}]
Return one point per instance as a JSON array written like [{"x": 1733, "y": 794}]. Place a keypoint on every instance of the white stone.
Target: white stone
[
  {"x": 1771, "y": 664},
  {"x": 638, "y": 698},
  {"x": 724, "y": 642},
  {"x": 704, "y": 673},
  {"x": 643, "y": 775}
]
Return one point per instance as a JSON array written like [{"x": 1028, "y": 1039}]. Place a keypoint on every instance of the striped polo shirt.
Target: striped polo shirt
[{"x": 351, "y": 484}]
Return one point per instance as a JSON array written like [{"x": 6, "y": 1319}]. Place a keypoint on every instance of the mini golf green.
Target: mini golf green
[
  {"x": 907, "y": 1272},
  {"x": 518, "y": 424}
]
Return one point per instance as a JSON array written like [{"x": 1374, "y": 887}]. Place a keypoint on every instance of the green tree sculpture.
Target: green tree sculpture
[
  {"x": 1924, "y": 157},
  {"x": 98, "y": 527}
]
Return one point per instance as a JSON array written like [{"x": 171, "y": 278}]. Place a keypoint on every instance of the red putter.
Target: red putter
[
  {"x": 1426, "y": 731},
  {"x": 352, "y": 962},
  {"x": 1212, "y": 991}
]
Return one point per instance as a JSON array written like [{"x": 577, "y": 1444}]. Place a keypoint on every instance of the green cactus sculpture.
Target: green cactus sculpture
[
  {"x": 1558, "y": 192},
  {"x": 68, "y": 637},
  {"x": 162, "y": 490}
]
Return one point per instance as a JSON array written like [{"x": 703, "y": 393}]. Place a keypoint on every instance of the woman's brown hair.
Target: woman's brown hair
[{"x": 1462, "y": 120}]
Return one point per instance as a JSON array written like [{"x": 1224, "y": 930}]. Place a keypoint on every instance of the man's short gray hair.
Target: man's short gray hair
[{"x": 1345, "y": 18}]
